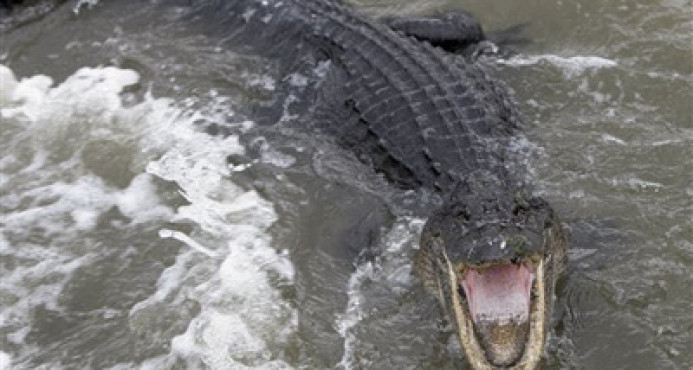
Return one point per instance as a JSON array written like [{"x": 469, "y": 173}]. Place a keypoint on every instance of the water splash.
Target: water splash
[
  {"x": 55, "y": 193},
  {"x": 391, "y": 268},
  {"x": 571, "y": 66}
]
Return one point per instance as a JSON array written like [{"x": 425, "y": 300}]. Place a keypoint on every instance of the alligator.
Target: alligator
[{"x": 399, "y": 95}]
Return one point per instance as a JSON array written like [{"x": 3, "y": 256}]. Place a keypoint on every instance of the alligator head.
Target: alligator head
[{"x": 492, "y": 256}]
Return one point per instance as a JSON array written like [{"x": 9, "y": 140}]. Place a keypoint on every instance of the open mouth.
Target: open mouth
[{"x": 499, "y": 308}]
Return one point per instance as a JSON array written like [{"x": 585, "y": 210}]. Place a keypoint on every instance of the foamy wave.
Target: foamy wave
[
  {"x": 49, "y": 199},
  {"x": 242, "y": 312},
  {"x": 571, "y": 66},
  {"x": 5, "y": 361},
  {"x": 56, "y": 188},
  {"x": 392, "y": 269}
]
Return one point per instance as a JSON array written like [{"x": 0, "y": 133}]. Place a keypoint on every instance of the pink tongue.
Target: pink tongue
[{"x": 499, "y": 293}]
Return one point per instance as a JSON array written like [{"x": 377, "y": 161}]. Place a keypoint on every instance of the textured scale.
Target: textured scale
[{"x": 417, "y": 114}]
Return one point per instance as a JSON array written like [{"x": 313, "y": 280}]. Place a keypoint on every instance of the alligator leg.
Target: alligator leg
[
  {"x": 453, "y": 32},
  {"x": 460, "y": 33}
]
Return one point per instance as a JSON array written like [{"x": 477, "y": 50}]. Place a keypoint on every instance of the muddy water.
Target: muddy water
[{"x": 133, "y": 239}]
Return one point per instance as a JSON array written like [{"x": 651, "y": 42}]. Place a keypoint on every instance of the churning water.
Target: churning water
[{"x": 131, "y": 237}]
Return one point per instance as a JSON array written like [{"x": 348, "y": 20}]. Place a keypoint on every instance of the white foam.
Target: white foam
[
  {"x": 81, "y": 3},
  {"x": 78, "y": 204},
  {"x": 5, "y": 361},
  {"x": 571, "y": 66},
  {"x": 242, "y": 314},
  {"x": 612, "y": 139},
  {"x": 172, "y": 234},
  {"x": 8, "y": 83},
  {"x": 49, "y": 197},
  {"x": 243, "y": 320},
  {"x": 353, "y": 313},
  {"x": 98, "y": 89},
  {"x": 639, "y": 184},
  {"x": 140, "y": 202},
  {"x": 393, "y": 268},
  {"x": 277, "y": 158}
]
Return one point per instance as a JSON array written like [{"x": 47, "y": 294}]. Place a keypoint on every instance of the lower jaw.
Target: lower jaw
[{"x": 503, "y": 344}]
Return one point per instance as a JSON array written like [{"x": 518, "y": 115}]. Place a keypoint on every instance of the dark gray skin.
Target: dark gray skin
[
  {"x": 424, "y": 118},
  {"x": 15, "y": 13},
  {"x": 453, "y": 32}
]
